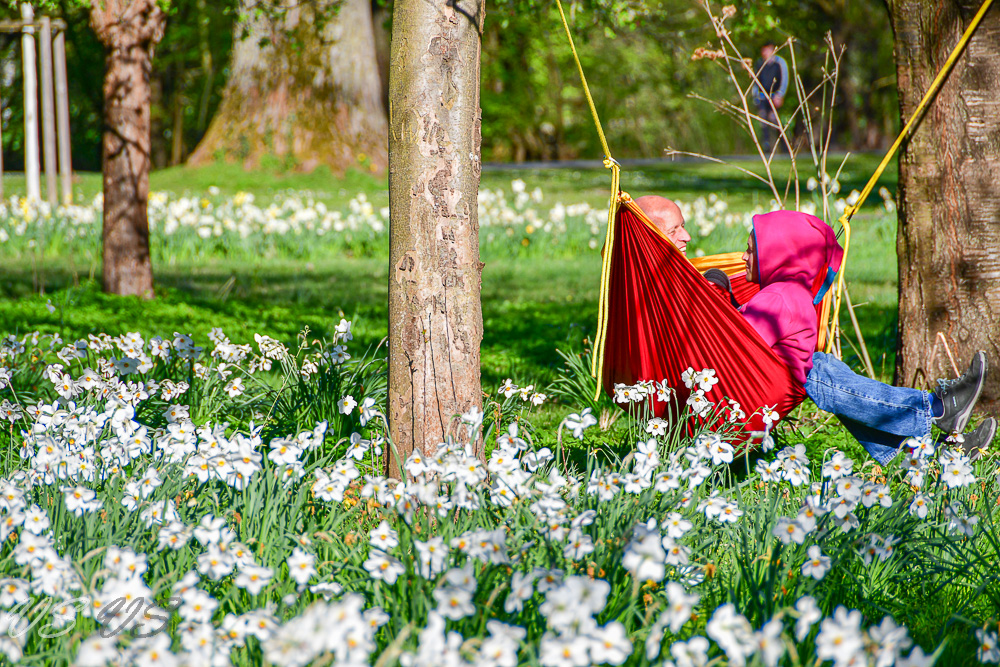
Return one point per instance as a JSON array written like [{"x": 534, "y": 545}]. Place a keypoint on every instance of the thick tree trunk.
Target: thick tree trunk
[
  {"x": 949, "y": 214},
  {"x": 435, "y": 314},
  {"x": 129, "y": 31},
  {"x": 303, "y": 88}
]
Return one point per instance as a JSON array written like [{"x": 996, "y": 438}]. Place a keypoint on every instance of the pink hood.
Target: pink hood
[{"x": 798, "y": 258}]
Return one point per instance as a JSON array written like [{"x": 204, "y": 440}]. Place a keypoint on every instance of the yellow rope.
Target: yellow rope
[
  {"x": 845, "y": 219},
  {"x": 597, "y": 355},
  {"x": 586, "y": 89}
]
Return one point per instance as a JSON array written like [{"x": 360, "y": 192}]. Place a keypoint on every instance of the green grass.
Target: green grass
[
  {"x": 688, "y": 177},
  {"x": 230, "y": 179},
  {"x": 528, "y": 307},
  {"x": 531, "y": 307},
  {"x": 524, "y": 288},
  {"x": 679, "y": 179}
]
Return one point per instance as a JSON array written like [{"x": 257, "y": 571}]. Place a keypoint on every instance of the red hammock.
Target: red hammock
[
  {"x": 658, "y": 316},
  {"x": 663, "y": 317}
]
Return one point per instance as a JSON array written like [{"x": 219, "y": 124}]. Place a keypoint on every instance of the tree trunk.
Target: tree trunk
[
  {"x": 177, "y": 133},
  {"x": 129, "y": 31},
  {"x": 949, "y": 215},
  {"x": 157, "y": 121},
  {"x": 380, "y": 26},
  {"x": 207, "y": 66},
  {"x": 435, "y": 277},
  {"x": 304, "y": 87}
]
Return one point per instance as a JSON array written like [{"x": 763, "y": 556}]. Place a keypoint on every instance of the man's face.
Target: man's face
[
  {"x": 666, "y": 216},
  {"x": 766, "y": 52},
  {"x": 750, "y": 259},
  {"x": 673, "y": 228}
]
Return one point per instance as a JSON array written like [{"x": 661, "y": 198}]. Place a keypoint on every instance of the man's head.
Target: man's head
[
  {"x": 750, "y": 259},
  {"x": 767, "y": 50},
  {"x": 667, "y": 217}
]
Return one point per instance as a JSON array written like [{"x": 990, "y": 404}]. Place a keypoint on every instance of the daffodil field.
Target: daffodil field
[
  {"x": 168, "y": 504},
  {"x": 201, "y": 498},
  {"x": 295, "y": 225},
  {"x": 302, "y": 226}
]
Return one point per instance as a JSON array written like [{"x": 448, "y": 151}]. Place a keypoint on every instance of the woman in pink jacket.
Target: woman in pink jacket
[{"x": 786, "y": 253}]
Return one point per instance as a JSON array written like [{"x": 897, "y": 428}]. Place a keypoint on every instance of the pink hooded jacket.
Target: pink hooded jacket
[{"x": 798, "y": 258}]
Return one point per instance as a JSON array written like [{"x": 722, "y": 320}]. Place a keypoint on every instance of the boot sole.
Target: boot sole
[
  {"x": 978, "y": 454},
  {"x": 963, "y": 418}
]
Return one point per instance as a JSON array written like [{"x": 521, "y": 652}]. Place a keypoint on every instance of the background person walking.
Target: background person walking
[{"x": 772, "y": 75}]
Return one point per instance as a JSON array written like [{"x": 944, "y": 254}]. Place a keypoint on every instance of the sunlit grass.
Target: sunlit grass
[{"x": 534, "y": 303}]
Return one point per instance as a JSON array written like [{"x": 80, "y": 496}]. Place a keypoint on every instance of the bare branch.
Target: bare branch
[
  {"x": 723, "y": 34},
  {"x": 670, "y": 152}
]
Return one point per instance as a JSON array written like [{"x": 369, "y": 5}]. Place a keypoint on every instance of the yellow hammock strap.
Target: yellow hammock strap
[
  {"x": 597, "y": 355},
  {"x": 586, "y": 89},
  {"x": 845, "y": 219}
]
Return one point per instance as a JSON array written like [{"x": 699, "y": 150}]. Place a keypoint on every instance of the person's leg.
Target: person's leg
[
  {"x": 880, "y": 445},
  {"x": 766, "y": 131},
  {"x": 897, "y": 411},
  {"x": 772, "y": 131}
]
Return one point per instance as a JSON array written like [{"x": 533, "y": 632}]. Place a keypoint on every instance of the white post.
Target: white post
[
  {"x": 62, "y": 115},
  {"x": 31, "y": 166},
  {"x": 1, "y": 155},
  {"x": 48, "y": 111}
]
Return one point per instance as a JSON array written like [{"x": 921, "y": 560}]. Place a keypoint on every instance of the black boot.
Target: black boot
[
  {"x": 977, "y": 441},
  {"x": 960, "y": 396}
]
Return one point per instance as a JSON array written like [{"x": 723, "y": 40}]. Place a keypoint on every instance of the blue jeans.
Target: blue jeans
[{"x": 880, "y": 416}]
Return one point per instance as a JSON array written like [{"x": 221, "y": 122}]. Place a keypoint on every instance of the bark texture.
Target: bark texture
[
  {"x": 304, "y": 88},
  {"x": 435, "y": 276},
  {"x": 129, "y": 31},
  {"x": 949, "y": 215}
]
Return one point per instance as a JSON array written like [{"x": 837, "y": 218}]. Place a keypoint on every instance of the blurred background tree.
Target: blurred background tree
[
  {"x": 533, "y": 108},
  {"x": 189, "y": 72},
  {"x": 304, "y": 89},
  {"x": 643, "y": 77}
]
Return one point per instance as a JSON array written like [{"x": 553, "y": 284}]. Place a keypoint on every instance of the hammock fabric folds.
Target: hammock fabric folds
[
  {"x": 664, "y": 317},
  {"x": 658, "y": 316}
]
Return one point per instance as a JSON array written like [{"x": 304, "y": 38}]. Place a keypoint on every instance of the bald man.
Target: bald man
[{"x": 667, "y": 217}]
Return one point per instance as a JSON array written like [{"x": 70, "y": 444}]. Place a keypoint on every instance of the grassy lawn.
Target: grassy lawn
[
  {"x": 531, "y": 306},
  {"x": 678, "y": 179},
  {"x": 528, "y": 307}
]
